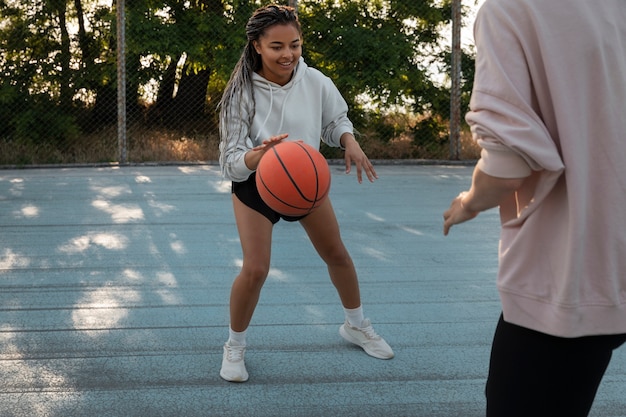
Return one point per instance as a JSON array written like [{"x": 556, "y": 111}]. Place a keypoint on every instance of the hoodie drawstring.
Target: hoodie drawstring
[{"x": 269, "y": 112}]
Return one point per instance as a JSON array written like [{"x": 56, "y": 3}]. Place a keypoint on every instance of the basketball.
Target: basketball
[{"x": 293, "y": 178}]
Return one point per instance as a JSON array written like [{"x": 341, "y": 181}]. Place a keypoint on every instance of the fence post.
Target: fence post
[
  {"x": 121, "y": 81},
  {"x": 455, "y": 88}
]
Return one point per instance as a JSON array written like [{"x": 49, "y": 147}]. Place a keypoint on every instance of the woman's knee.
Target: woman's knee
[
  {"x": 254, "y": 275},
  {"x": 337, "y": 255}
]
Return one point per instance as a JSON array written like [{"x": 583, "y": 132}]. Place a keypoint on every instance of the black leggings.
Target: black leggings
[{"x": 533, "y": 374}]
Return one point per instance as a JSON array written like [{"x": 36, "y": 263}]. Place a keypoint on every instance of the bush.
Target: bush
[{"x": 44, "y": 122}]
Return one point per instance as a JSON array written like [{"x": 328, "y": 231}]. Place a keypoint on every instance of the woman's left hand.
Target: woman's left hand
[{"x": 354, "y": 153}]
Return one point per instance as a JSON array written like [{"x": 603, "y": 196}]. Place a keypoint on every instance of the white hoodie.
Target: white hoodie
[{"x": 308, "y": 108}]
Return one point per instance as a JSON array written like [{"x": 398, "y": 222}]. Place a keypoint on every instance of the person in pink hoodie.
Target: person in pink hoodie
[{"x": 548, "y": 111}]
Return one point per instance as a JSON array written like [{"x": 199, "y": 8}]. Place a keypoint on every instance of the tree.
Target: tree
[
  {"x": 188, "y": 31},
  {"x": 58, "y": 74},
  {"x": 376, "y": 48}
]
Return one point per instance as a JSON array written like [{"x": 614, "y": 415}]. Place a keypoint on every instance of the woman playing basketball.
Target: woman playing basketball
[{"x": 273, "y": 96}]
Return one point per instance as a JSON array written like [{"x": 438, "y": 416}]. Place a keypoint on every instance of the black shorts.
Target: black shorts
[{"x": 248, "y": 194}]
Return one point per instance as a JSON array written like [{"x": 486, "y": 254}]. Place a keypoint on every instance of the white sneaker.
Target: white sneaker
[
  {"x": 233, "y": 366},
  {"x": 366, "y": 338}
]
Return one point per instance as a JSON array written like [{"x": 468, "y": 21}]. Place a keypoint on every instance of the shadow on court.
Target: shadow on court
[{"x": 114, "y": 287}]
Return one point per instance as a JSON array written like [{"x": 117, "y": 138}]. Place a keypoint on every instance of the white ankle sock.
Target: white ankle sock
[
  {"x": 354, "y": 316},
  {"x": 237, "y": 337}
]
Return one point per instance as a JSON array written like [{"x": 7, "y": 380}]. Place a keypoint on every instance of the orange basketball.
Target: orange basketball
[{"x": 293, "y": 178}]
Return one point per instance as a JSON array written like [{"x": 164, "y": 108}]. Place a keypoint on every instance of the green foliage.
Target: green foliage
[
  {"x": 430, "y": 131},
  {"x": 466, "y": 75},
  {"x": 58, "y": 74},
  {"x": 8, "y": 101},
  {"x": 42, "y": 121},
  {"x": 374, "y": 48}
]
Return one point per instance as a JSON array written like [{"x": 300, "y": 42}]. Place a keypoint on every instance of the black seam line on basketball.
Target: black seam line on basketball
[
  {"x": 284, "y": 202},
  {"x": 260, "y": 176},
  {"x": 317, "y": 177},
  {"x": 293, "y": 182}
]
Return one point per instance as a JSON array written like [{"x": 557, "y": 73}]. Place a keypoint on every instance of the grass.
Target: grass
[
  {"x": 143, "y": 145},
  {"x": 155, "y": 145},
  {"x": 405, "y": 148}
]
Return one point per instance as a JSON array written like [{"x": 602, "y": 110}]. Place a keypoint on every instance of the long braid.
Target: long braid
[{"x": 240, "y": 82}]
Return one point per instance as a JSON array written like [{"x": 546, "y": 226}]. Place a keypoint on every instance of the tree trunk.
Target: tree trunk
[
  {"x": 60, "y": 7},
  {"x": 165, "y": 96},
  {"x": 83, "y": 39},
  {"x": 192, "y": 95}
]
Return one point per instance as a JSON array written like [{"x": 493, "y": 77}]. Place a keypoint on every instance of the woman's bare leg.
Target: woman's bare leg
[
  {"x": 323, "y": 230},
  {"x": 255, "y": 234}
]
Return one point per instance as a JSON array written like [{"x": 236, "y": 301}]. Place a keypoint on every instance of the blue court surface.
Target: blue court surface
[{"x": 114, "y": 288}]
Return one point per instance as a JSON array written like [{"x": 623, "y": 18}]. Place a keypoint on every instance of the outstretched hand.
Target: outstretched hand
[
  {"x": 456, "y": 214},
  {"x": 354, "y": 153}
]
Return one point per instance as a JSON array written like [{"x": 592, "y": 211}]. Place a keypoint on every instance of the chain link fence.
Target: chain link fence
[{"x": 95, "y": 81}]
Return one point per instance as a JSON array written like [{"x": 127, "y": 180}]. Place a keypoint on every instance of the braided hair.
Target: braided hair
[{"x": 250, "y": 61}]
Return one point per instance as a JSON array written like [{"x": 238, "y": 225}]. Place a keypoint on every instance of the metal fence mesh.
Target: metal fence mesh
[{"x": 62, "y": 63}]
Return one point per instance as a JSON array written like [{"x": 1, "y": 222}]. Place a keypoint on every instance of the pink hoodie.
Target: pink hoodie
[{"x": 549, "y": 104}]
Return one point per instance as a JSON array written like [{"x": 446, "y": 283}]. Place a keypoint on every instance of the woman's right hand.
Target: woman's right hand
[
  {"x": 253, "y": 157},
  {"x": 268, "y": 143}
]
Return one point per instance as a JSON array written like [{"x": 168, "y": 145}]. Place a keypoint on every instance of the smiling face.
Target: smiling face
[{"x": 280, "y": 48}]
